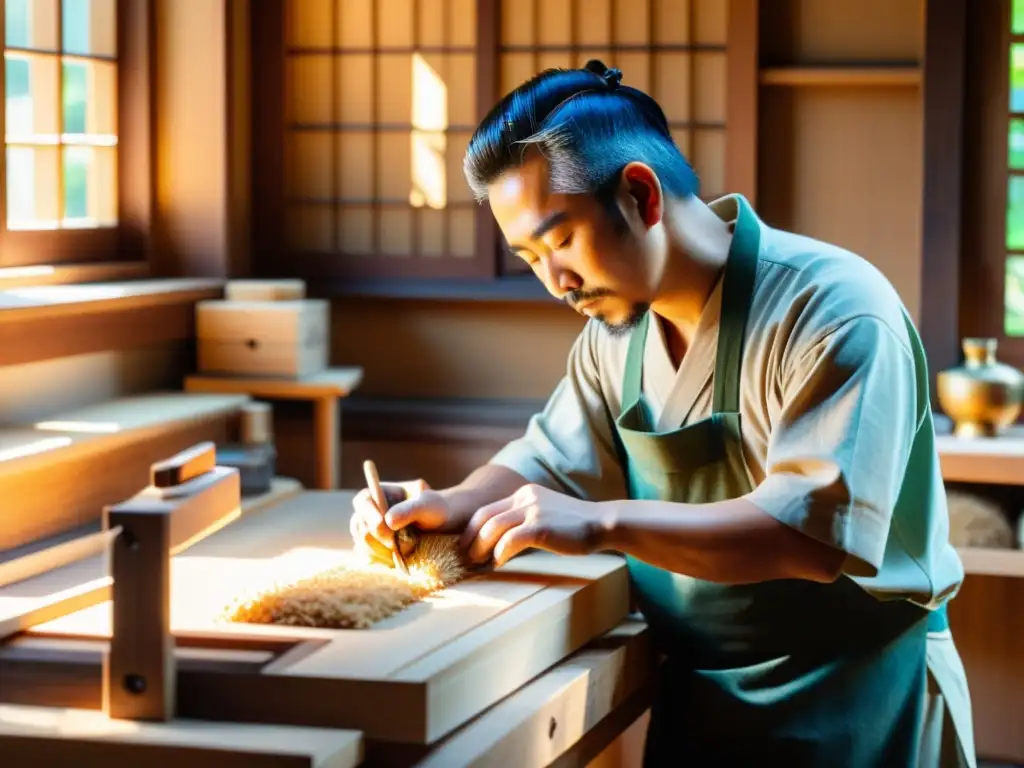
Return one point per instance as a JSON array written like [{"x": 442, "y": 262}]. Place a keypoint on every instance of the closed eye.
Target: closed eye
[{"x": 566, "y": 242}]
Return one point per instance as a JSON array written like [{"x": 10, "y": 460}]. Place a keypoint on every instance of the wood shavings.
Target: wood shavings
[{"x": 355, "y": 597}]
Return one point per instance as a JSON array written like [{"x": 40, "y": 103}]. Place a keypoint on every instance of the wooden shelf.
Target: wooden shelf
[
  {"x": 996, "y": 460},
  {"x": 900, "y": 76},
  {"x": 70, "y": 320},
  {"x": 982, "y": 561}
]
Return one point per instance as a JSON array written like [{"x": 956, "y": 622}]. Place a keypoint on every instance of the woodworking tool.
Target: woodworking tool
[{"x": 381, "y": 500}]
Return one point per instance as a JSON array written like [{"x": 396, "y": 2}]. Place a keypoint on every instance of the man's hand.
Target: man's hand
[
  {"x": 533, "y": 517},
  {"x": 409, "y": 503}
]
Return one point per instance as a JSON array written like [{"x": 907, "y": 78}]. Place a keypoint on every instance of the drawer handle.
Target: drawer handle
[{"x": 252, "y": 344}]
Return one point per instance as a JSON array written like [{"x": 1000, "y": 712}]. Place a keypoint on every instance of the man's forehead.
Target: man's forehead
[
  {"x": 525, "y": 184},
  {"x": 520, "y": 199}
]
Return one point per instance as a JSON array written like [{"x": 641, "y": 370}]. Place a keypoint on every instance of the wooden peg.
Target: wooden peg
[{"x": 185, "y": 466}]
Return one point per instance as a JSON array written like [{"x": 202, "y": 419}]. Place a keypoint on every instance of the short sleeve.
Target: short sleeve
[
  {"x": 570, "y": 445},
  {"x": 841, "y": 442}
]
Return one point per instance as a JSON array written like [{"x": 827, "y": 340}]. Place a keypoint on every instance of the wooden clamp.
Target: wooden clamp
[{"x": 138, "y": 669}]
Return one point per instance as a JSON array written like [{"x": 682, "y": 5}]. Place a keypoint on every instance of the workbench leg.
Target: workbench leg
[{"x": 328, "y": 438}]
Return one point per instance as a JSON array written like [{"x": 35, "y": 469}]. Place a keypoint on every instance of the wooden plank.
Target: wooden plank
[
  {"x": 998, "y": 460},
  {"x": 539, "y": 608},
  {"x": 184, "y": 466},
  {"x": 30, "y": 561},
  {"x": 81, "y": 737},
  {"x": 102, "y": 426},
  {"x": 35, "y": 303},
  {"x": 112, "y": 445},
  {"x": 62, "y": 274},
  {"x": 334, "y": 382},
  {"x": 853, "y": 77},
  {"x": 88, "y": 541},
  {"x": 982, "y": 561},
  {"x": 545, "y": 719}
]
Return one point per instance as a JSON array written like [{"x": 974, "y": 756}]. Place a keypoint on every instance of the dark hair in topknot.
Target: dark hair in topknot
[{"x": 587, "y": 125}]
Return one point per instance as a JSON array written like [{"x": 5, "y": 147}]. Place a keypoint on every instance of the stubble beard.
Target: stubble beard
[{"x": 625, "y": 326}]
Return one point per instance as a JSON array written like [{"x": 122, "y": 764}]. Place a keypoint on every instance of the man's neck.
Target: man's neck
[{"x": 698, "y": 247}]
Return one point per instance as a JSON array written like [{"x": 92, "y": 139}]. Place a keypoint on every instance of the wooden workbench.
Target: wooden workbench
[{"x": 533, "y": 664}]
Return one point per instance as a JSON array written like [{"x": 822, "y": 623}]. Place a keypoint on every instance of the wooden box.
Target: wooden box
[{"x": 263, "y": 338}]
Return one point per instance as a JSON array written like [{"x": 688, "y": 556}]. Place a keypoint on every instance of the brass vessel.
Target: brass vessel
[{"x": 983, "y": 396}]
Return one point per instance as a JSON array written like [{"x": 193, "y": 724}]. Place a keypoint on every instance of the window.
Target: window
[
  {"x": 380, "y": 106},
  {"x": 1014, "y": 320},
  {"x": 61, "y": 129},
  {"x": 364, "y": 109}
]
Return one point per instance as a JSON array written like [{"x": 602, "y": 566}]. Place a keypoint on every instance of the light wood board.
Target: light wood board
[
  {"x": 78, "y": 580},
  {"x": 414, "y": 677},
  {"x": 551, "y": 716},
  {"x": 44, "y": 736},
  {"x": 102, "y": 426},
  {"x": 334, "y": 382},
  {"x": 998, "y": 460}
]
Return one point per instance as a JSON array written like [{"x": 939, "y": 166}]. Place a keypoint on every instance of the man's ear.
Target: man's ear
[{"x": 640, "y": 191}]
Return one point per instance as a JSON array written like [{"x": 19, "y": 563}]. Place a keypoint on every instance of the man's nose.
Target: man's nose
[{"x": 563, "y": 279}]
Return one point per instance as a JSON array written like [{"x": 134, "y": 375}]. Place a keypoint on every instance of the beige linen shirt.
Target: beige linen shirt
[{"x": 837, "y": 435}]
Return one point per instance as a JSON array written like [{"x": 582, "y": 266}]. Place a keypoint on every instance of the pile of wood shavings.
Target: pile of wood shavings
[{"x": 349, "y": 597}]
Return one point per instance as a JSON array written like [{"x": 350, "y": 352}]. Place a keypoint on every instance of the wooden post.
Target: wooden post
[{"x": 139, "y": 672}]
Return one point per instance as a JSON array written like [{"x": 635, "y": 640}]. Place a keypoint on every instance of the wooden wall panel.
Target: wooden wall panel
[
  {"x": 987, "y": 624},
  {"x": 844, "y": 165},
  {"x": 838, "y": 159},
  {"x": 414, "y": 349},
  {"x": 818, "y": 31}
]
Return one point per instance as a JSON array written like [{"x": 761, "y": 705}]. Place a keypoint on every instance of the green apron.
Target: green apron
[{"x": 791, "y": 671}]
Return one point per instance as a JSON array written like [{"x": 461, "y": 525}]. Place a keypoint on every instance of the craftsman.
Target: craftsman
[{"x": 746, "y": 418}]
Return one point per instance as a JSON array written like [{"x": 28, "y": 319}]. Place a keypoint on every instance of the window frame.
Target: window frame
[
  {"x": 987, "y": 114},
  {"x": 487, "y": 275},
  {"x": 129, "y": 240}
]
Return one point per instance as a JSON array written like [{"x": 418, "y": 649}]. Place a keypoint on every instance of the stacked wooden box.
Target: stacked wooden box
[{"x": 264, "y": 328}]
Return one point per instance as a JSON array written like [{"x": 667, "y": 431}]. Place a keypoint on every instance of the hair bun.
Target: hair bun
[{"x": 611, "y": 76}]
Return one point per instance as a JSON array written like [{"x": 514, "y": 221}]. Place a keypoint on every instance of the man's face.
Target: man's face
[{"x": 574, "y": 247}]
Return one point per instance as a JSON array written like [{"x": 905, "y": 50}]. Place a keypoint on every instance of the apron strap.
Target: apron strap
[
  {"x": 633, "y": 381},
  {"x": 938, "y": 620},
  {"x": 737, "y": 292}
]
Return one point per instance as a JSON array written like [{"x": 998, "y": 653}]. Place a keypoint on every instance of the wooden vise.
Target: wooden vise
[{"x": 188, "y": 498}]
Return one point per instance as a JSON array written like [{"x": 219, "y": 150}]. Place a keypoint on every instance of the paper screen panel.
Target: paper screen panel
[
  {"x": 381, "y": 100},
  {"x": 673, "y": 50}
]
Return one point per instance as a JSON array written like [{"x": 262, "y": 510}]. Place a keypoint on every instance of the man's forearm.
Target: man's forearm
[
  {"x": 730, "y": 542},
  {"x": 486, "y": 484}
]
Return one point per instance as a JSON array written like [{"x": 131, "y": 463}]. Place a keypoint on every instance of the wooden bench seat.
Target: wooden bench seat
[{"x": 57, "y": 474}]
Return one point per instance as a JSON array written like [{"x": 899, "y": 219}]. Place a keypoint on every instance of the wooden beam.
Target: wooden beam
[
  {"x": 136, "y": 117},
  {"x": 488, "y": 78},
  {"x": 48, "y": 322},
  {"x": 742, "y": 63},
  {"x": 202, "y": 137},
  {"x": 269, "y": 116},
  {"x": 941, "y": 238}
]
